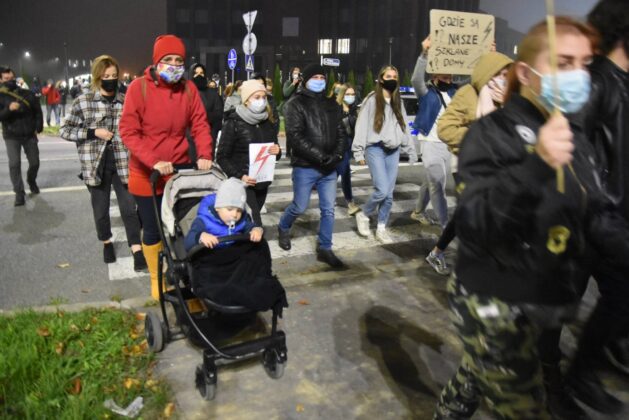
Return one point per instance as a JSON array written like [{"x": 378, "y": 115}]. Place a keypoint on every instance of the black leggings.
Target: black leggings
[{"x": 150, "y": 226}]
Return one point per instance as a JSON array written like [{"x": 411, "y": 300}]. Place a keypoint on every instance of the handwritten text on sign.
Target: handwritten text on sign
[
  {"x": 458, "y": 40},
  {"x": 261, "y": 163}
]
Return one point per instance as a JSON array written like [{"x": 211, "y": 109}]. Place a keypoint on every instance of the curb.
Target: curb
[{"x": 127, "y": 304}]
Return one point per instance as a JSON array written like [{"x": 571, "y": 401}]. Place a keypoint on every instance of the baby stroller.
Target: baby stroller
[{"x": 182, "y": 195}]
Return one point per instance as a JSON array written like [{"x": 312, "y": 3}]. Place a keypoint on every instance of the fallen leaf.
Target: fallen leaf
[
  {"x": 303, "y": 302},
  {"x": 43, "y": 332},
  {"x": 60, "y": 314},
  {"x": 151, "y": 384},
  {"x": 76, "y": 387},
  {"x": 140, "y": 316},
  {"x": 94, "y": 320},
  {"x": 144, "y": 345},
  {"x": 81, "y": 344},
  {"x": 63, "y": 265},
  {"x": 59, "y": 348},
  {"x": 169, "y": 410},
  {"x": 131, "y": 383},
  {"x": 74, "y": 328},
  {"x": 299, "y": 408},
  {"x": 85, "y": 290}
]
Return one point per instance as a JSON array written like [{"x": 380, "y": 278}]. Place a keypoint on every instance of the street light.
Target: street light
[{"x": 26, "y": 55}]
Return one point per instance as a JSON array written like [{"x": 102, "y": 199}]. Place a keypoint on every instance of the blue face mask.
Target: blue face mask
[
  {"x": 349, "y": 99},
  {"x": 573, "y": 89},
  {"x": 315, "y": 85}
]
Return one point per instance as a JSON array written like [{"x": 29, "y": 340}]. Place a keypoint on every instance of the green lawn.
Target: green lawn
[{"x": 65, "y": 365}]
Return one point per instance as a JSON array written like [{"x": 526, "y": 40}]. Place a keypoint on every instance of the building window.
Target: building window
[
  {"x": 342, "y": 46},
  {"x": 201, "y": 16},
  {"x": 325, "y": 46},
  {"x": 290, "y": 26},
  {"x": 183, "y": 16}
]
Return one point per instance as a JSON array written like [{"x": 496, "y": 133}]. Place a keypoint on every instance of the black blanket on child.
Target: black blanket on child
[{"x": 239, "y": 274}]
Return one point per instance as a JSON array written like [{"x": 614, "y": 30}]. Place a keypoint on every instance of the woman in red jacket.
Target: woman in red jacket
[{"x": 158, "y": 109}]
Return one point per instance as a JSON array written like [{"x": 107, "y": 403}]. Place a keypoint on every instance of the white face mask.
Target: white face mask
[
  {"x": 257, "y": 106},
  {"x": 349, "y": 99}
]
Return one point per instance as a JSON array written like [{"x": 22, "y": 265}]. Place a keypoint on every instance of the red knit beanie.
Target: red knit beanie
[{"x": 167, "y": 44}]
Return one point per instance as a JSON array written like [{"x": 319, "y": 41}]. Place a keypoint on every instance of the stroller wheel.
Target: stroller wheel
[
  {"x": 273, "y": 364},
  {"x": 202, "y": 380},
  {"x": 154, "y": 331}
]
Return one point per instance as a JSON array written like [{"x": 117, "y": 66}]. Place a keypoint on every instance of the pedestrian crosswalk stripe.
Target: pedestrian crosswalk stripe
[{"x": 304, "y": 245}]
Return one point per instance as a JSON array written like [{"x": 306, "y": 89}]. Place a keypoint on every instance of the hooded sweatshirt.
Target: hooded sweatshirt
[{"x": 455, "y": 121}]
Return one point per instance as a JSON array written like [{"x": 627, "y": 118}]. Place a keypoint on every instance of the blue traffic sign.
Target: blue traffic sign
[
  {"x": 232, "y": 58},
  {"x": 249, "y": 63}
]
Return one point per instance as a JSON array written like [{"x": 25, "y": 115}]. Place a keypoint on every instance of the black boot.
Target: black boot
[
  {"x": 283, "y": 239},
  {"x": 20, "y": 199},
  {"x": 109, "y": 254},
  {"x": 34, "y": 188},
  {"x": 587, "y": 388},
  {"x": 328, "y": 257},
  {"x": 560, "y": 404}
]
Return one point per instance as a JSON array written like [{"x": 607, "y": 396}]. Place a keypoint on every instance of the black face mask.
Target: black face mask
[
  {"x": 200, "y": 82},
  {"x": 443, "y": 86},
  {"x": 389, "y": 85},
  {"x": 109, "y": 85},
  {"x": 10, "y": 84}
]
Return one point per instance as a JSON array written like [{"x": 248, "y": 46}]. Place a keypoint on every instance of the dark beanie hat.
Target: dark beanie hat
[
  {"x": 167, "y": 44},
  {"x": 311, "y": 70}
]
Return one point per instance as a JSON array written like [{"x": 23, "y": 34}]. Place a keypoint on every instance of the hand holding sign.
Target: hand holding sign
[
  {"x": 458, "y": 40},
  {"x": 261, "y": 162}
]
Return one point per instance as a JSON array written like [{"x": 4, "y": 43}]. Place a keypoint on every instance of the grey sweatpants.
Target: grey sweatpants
[{"x": 436, "y": 159}]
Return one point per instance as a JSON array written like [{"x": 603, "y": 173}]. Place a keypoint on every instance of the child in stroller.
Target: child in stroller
[{"x": 234, "y": 272}]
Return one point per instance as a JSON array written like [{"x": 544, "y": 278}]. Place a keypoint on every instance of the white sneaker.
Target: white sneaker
[
  {"x": 362, "y": 223},
  {"x": 263, "y": 210},
  {"x": 382, "y": 235}
]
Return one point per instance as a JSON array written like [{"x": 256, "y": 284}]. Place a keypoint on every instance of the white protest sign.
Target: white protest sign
[
  {"x": 458, "y": 40},
  {"x": 261, "y": 163}
]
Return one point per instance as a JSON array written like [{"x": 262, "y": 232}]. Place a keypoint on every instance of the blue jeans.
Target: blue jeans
[
  {"x": 303, "y": 181},
  {"x": 383, "y": 166},
  {"x": 346, "y": 178}
]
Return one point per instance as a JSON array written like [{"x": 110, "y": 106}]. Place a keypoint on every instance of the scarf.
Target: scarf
[{"x": 250, "y": 117}]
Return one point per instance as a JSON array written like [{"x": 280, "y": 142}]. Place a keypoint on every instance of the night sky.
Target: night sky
[{"x": 124, "y": 29}]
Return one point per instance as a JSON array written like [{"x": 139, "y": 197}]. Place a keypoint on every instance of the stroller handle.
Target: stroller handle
[
  {"x": 241, "y": 237},
  {"x": 155, "y": 174}
]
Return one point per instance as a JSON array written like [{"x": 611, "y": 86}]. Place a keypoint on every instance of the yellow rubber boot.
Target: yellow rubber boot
[{"x": 151, "y": 254}]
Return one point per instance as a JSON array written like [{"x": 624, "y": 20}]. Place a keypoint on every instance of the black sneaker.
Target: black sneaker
[
  {"x": 139, "y": 262},
  {"x": 328, "y": 257},
  {"x": 617, "y": 354},
  {"x": 20, "y": 200},
  {"x": 34, "y": 188},
  {"x": 283, "y": 239},
  {"x": 585, "y": 386},
  {"x": 109, "y": 255}
]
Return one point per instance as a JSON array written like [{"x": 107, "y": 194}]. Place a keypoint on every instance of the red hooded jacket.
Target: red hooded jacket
[{"x": 153, "y": 127}]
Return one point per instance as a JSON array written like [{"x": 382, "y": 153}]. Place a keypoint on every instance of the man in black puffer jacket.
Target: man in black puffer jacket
[
  {"x": 314, "y": 133},
  {"x": 21, "y": 116}
]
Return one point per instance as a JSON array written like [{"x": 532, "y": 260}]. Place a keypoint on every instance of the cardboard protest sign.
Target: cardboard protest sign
[
  {"x": 458, "y": 40},
  {"x": 261, "y": 163}
]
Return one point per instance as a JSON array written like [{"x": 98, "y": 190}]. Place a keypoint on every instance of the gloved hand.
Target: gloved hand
[
  {"x": 329, "y": 163},
  {"x": 412, "y": 158}
]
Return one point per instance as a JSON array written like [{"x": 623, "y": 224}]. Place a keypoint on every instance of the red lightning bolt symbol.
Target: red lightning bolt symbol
[{"x": 261, "y": 158}]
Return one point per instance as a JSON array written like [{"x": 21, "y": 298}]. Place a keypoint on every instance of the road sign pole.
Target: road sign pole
[{"x": 232, "y": 76}]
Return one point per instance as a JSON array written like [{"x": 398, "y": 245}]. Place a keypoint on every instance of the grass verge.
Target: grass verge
[{"x": 65, "y": 365}]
